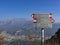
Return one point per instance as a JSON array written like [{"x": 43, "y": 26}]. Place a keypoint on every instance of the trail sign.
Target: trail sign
[{"x": 43, "y": 20}]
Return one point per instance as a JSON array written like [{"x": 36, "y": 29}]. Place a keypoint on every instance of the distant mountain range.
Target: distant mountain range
[{"x": 25, "y": 27}]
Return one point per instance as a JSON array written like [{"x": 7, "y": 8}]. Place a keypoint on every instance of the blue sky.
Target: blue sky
[{"x": 10, "y": 9}]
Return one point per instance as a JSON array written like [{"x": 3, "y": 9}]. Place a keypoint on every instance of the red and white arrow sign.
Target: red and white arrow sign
[
  {"x": 35, "y": 20},
  {"x": 52, "y": 20}
]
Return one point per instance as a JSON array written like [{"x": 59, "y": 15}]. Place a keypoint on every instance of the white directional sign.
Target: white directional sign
[{"x": 43, "y": 20}]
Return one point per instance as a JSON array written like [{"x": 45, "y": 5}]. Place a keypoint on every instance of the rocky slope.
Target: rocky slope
[{"x": 55, "y": 39}]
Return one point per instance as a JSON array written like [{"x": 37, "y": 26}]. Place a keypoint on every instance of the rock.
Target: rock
[{"x": 54, "y": 40}]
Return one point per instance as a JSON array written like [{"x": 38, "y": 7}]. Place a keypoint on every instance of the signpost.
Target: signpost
[{"x": 43, "y": 21}]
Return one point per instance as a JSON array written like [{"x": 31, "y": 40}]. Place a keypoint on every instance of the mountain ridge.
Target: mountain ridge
[
  {"x": 25, "y": 25},
  {"x": 54, "y": 40}
]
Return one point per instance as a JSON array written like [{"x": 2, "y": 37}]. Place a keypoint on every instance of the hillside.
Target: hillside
[{"x": 55, "y": 39}]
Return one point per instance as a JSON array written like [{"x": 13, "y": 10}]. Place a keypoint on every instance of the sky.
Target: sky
[{"x": 10, "y": 9}]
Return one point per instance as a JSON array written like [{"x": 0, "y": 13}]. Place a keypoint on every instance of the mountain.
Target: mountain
[
  {"x": 26, "y": 27},
  {"x": 17, "y": 24},
  {"x": 55, "y": 39},
  {"x": 2, "y": 22}
]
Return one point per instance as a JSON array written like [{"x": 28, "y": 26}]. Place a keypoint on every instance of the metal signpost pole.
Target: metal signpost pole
[
  {"x": 43, "y": 21},
  {"x": 42, "y": 36}
]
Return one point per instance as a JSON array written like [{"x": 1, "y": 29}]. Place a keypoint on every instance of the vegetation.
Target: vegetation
[{"x": 1, "y": 38}]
